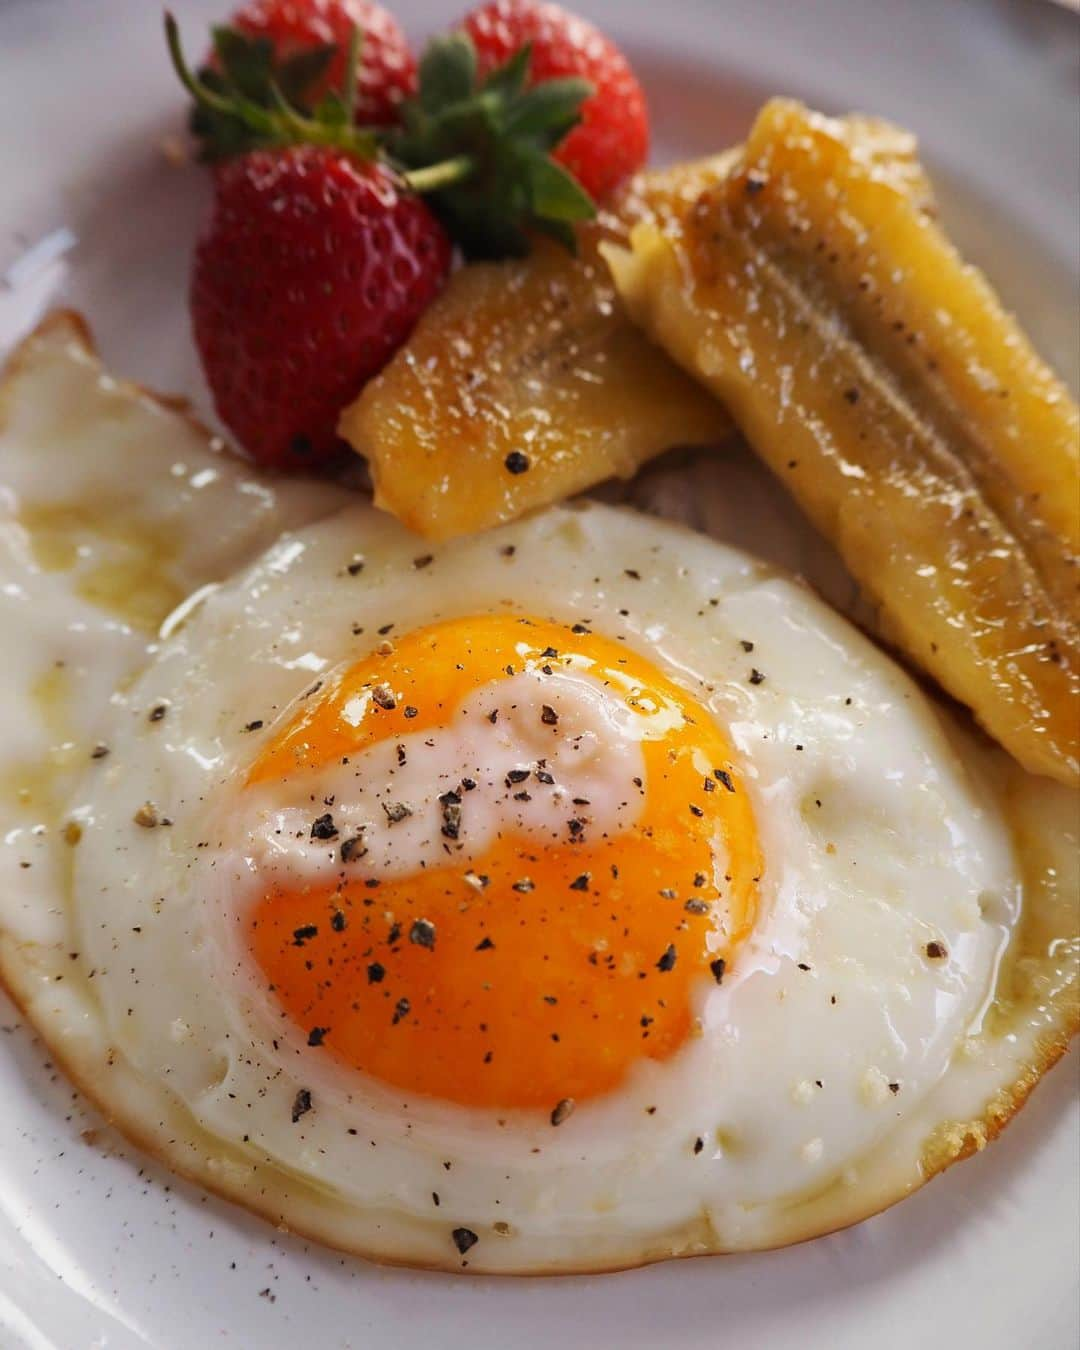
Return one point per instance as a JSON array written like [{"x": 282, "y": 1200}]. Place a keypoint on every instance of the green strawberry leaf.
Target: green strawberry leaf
[
  {"x": 447, "y": 73},
  {"x": 250, "y": 101},
  {"x": 548, "y": 111},
  {"x": 332, "y": 112},
  {"x": 297, "y": 75},
  {"x": 508, "y": 80},
  {"x": 496, "y": 134},
  {"x": 554, "y": 194}
]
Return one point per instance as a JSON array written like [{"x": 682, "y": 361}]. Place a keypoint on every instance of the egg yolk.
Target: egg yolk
[{"x": 532, "y": 975}]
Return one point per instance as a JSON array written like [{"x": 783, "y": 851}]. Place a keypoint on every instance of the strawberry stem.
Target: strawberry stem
[
  {"x": 195, "y": 87},
  {"x": 353, "y": 56},
  {"x": 437, "y": 176}
]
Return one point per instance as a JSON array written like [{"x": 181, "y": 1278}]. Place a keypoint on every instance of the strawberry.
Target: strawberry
[
  {"x": 612, "y": 140},
  {"x": 315, "y": 264},
  {"x": 311, "y": 272},
  {"x": 320, "y": 256},
  {"x": 294, "y": 27}
]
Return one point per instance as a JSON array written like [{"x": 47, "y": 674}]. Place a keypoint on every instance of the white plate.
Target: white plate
[{"x": 99, "y": 1247}]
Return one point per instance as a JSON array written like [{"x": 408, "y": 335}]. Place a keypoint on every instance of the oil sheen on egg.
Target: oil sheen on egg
[
  {"x": 570, "y": 897},
  {"x": 377, "y": 969}
]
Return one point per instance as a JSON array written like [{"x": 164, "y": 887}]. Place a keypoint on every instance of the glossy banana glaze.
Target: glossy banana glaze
[
  {"x": 523, "y": 384},
  {"x": 880, "y": 379}
]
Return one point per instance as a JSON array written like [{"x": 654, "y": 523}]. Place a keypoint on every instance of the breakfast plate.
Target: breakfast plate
[{"x": 102, "y": 1245}]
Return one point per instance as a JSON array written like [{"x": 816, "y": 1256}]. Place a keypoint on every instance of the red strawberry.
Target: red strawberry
[
  {"x": 387, "y": 71},
  {"x": 313, "y": 269},
  {"x": 612, "y": 140}
]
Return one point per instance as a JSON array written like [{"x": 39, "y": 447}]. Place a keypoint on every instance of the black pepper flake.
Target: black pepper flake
[
  {"x": 254, "y": 726},
  {"x": 411, "y": 712},
  {"x": 722, "y": 776},
  {"x": 301, "y": 1104},
  {"x": 382, "y": 696},
  {"x": 755, "y": 183},
  {"x": 894, "y": 1088},
  {"x": 522, "y": 797},
  {"x": 708, "y": 785},
  {"x": 302, "y": 934},
  {"x": 581, "y": 883},
  {"x": 699, "y": 878},
  {"x": 696, "y": 810},
  {"x": 451, "y": 815},
  {"x": 323, "y": 827},
  {"x": 99, "y": 751},
  {"x": 463, "y": 1239},
  {"x": 746, "y": 646},
  {"x": 508, "y": 550},
  {"x": 484, "y": 945},
  {"x": 851, "y": 395},
  {"x": 468, "y": 784},
  {"x": 756, "y": 677},
  {"x": 376, "y": 973},
  {"x": 548, "y": 715},
  {"x": 516, "y": 462},
  {"x": 422, "y": 934},
  {"x": 579, "y": 629},
  {"x": 563, "y": 1110},
  {"x": 667, "y": 960},
  {"x": 718, "y": 967},
  {"x": 516, "y": 776},
  {"x": 802, "y": 965},
  {"x": 353, "y": 848},
  {"x": 338, "y": 922},
  {"x": 424, "y": 561},
  {"x": 396, "y": 811},
  {"x": 696, "y": 906},
  {"x": 316, "y": 1035},
  {"x": 158, "y": 712},
  {"x": 699, "y": 1144},
  {"x": 401, "y": 1009},
  {"x": 548, "y": 652},
  {"x": 355, "y": 567},
  {"x": 523, "y": 886},
  {"x": 542, "y": 776},
  {"x": 936, "y": 951}
]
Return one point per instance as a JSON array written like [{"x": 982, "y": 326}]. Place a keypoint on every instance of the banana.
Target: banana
[
  {"x": 878, "y": 376},
  {"x": 523, "y": 384}
]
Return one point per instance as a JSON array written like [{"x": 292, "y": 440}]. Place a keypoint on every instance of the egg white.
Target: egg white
[{"x": 124, "y": 963}]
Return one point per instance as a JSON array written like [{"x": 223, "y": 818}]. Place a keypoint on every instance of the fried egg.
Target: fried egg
[{"x": 569, "y": 897}]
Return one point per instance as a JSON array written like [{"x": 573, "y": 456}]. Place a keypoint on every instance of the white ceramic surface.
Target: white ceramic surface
[{"x": 100, "y": 1248}]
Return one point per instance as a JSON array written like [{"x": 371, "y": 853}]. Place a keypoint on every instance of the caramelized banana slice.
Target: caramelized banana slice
[
  {"x": 523, "y": 384},
  {"x": 879, "y": 377}
]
